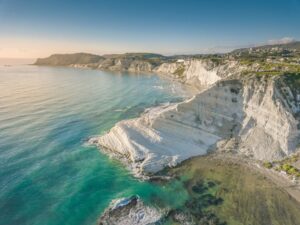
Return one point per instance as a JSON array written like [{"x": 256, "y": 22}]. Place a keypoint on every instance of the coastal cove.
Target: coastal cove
[
  {"x": 135, "y": 112},
  {"x": 48, "y": 173},
  {"x": 62, "y": 178}
]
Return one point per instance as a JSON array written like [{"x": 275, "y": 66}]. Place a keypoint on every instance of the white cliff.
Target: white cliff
[
  {"x": 167, "y": 135},
  {"x": 199, "y": 72},
  {"x": 269, "y": 128},
  {"x": 248, "y": 111},
  {"x": 140, "y": 66},
  {"x": 168, "y": 68}
]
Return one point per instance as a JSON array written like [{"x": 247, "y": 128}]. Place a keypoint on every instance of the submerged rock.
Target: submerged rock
[{"x": 130, "y": 211}]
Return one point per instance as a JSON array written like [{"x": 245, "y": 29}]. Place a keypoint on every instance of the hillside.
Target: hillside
[
  {"x": 292, "y": 46},
  {"x": 69, "y": 59},
  {"x": 91, "y": 60}
]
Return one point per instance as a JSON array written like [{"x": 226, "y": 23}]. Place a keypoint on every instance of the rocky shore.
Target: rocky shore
[
  {"x": 223, "y": 188},
  {"x": 243, "y": 106},
  {"x": 130, "y": 211}
]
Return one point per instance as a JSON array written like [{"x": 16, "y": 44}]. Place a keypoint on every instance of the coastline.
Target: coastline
[
  {"x": 229, "y": 113},
  {"x": 223, "y": 188},
  {"x": 279, "y": 180},
  {"x": 143, "y": 144}
]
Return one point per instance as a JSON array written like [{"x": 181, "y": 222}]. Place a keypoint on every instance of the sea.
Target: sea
[{"x": 48, "y": 174}]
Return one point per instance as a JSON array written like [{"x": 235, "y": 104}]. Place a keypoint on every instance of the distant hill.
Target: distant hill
[
  {"x": 85, "y": 58},
  {"x": 68, "y": 59},
  {"x": 292, "y": 45},
  {"x": 289, "y": 46}
]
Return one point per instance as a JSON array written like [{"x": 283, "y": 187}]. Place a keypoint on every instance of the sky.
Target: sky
[{"x": 38, "y": 28}]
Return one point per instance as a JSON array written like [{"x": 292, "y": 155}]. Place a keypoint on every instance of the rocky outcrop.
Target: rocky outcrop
[
  {"x": 130, "y": 211},
  {"x": 248, "y": 111},
  {"x": 199, "y": 72},
  {"x": 140, "y": 66}
]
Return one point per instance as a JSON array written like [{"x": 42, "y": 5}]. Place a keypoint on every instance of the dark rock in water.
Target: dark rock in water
[
  {"x": 130, "y": 211},
  {"x": 199, "y": 187},
  {"x": 159, "y": 179}
]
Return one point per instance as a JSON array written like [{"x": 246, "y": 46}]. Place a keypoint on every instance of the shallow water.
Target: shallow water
[
  {"x": 47, "y": 174},
  {"x": 223, "y": 191}
]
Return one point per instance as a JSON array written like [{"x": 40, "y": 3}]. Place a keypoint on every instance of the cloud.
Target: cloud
[{"x": 284, "y": 40}]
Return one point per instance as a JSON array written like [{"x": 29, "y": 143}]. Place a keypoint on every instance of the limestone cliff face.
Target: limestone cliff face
[
  {"x": 269, "y": 128},
  {"x": 140, "y": 66},
  {"x": 199, "y": 73},
  {"x": 251, "y": 112},
  {"x": 125, "y": 65},
  {"x": 168, "y": 68}
]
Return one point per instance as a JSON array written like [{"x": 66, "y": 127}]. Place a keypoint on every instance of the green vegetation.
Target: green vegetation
[
  {"x": 217, "y": 60},
  {"x": 293, "y": 80},
  {"x": 265, "y": 61},
  {"x": 291, "y": 159},
  {"x": 179, "y": 71},
  {"x": 283, "y": 48},
  {"x": 262, "y": 73},
  {"x": 285, "y": 165},
  {"x": 226, "y": 192},
  {"x": 268, "y": 165},
  {"x": 270, "y": 60},
  {"x": 289, "y": 169}
]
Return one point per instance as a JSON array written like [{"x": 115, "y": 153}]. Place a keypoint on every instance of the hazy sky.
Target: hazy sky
[{"x": 38, "y": 28}]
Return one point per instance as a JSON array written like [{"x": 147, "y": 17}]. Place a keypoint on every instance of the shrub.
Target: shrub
[
  {"x": 268, "y": 165},
  {"x": 292, "y": 170},
  {"x": 179, "y": 71},
  {"x": 289, "y": 169},
  {"x": 286, "y": 167}
]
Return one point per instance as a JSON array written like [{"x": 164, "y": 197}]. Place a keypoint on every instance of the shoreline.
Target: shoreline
[
  {"x": 280, "y": 181},
  {"x": 219, "y": 186}
]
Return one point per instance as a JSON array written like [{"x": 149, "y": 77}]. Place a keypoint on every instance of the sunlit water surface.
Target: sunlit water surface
[{"x": 47, "y": 173}]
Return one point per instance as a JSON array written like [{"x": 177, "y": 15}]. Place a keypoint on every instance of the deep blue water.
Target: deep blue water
[{"x": 47, "y": 173}]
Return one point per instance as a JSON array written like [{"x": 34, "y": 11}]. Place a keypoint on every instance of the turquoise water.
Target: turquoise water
[{"x": 47, "y": 173}]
